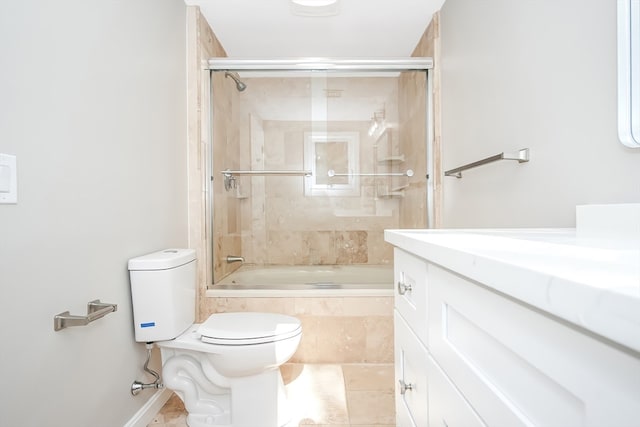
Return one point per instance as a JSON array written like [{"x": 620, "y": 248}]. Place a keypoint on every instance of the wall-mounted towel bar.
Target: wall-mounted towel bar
[
  {"x": 521, "y": 156},
  {"x": 95, "y": 310},
  {"x": 409, "y": 172}
]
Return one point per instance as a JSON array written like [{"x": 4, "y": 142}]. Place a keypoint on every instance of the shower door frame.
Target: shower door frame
[{"x": 328, "y": 65}]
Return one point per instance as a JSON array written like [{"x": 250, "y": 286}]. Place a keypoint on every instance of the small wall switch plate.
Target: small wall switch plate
[{"x": 8, "y": 179}]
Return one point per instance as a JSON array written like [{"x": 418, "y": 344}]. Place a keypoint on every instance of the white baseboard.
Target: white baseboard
[{"x": 149, "y": 410}]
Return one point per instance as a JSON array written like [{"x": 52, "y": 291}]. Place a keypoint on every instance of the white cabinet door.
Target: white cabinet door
[
  {"x": 447, "y": 407},
  {"x": 519, "y": 367},
  {"x": 411, "y": 376},
  {"x": 410, "y": 274}
]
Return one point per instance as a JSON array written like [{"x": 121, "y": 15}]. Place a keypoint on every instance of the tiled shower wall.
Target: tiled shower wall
[
  {"x": 226, "y": 155},
  {"x": 202, "y": 45},
  {"x": 245, "y": 227},
  {"x": 288, "y": 227},
  {"x": 414, "y": 129},
  {"x": 413, "y": 137},
  {"x": 281, "y": 224},
  {"x": 276, "y": 223},
  {"x": 270, "y": 220}
]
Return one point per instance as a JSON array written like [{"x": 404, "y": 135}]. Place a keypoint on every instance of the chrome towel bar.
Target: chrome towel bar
[
  {"x": 230, "y": 180},
  {"x": 521, "y": 156},
  {"x": 409, "y": 172},
  {"x": 265, "y": 173},
  {"x": 95, "y": 311}
]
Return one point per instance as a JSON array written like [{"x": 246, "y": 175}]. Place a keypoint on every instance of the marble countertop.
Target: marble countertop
[{"x": 592, "y": 282}]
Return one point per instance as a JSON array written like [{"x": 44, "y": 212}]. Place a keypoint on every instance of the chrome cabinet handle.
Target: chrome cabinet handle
[
  {"x": 403, "y": 288},
  {"x": 404, "y": 386}
]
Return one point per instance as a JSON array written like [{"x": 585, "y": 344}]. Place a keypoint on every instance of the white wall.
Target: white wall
[
  {"x": 93, "y": 103},
  {"x": 537, "y": 74}
]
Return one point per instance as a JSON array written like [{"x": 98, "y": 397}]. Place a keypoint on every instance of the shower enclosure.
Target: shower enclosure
[{"x": 310, "y": 160}]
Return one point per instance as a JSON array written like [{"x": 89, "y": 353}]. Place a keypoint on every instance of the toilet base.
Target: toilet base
[
  {"x": 207, "y": 404},
  {"x": 213, "y": 400},
  {"x": 254, "y": 402}
]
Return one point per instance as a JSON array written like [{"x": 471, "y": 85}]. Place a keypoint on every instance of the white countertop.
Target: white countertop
[{"x": 591, "y": 282}]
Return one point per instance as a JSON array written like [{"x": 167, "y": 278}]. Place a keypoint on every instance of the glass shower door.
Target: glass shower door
[{"x": 322, "y": 162}]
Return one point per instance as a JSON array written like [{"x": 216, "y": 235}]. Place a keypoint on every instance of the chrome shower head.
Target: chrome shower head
[{"x": 236, "y": 78}]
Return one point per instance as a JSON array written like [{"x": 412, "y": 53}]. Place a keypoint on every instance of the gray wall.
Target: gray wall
[
  {"x": 537, "y": 74},
  {"x": 93, "y": 103}
]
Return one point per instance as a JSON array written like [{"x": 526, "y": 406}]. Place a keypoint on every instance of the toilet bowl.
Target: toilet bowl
[
  {"x": 226, "y": 369},
  {"x": 232, "y": 359}
]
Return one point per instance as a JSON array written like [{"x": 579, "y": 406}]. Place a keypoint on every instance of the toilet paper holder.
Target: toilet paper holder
[{"x": 95, "y": 311}]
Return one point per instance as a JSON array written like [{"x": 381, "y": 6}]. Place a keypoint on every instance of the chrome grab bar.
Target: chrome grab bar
[
  {"x": 95, "y": 311},
  {"x": 521, "y": 156}
]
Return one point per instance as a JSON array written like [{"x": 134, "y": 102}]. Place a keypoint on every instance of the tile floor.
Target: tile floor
[{"x": 351, "y": 395}]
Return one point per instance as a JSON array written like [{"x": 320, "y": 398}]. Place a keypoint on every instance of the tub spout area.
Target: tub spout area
[{"x": 234, "y": 258}]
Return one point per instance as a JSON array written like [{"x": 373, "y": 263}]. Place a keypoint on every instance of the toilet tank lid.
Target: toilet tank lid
[{"x": 162, "y": 260}]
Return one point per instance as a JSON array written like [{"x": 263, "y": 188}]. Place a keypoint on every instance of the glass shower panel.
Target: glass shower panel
[{"x": 328, "y": 154}]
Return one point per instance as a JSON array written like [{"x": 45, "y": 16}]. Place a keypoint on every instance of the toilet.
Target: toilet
[{"x": 226, "y": 370}]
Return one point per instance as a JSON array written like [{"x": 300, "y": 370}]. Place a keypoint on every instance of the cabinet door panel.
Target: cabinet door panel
[
  {"x": 519, "y": 367},
  {"x": 410, "y": 370}
]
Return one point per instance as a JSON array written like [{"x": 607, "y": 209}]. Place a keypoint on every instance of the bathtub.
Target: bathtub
[
  {"x": 346, "y": 310},
  {"x": 304, "y": 281}
]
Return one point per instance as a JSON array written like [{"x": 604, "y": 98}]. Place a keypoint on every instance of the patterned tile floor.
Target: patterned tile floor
[{"x": 352, "y": 395}]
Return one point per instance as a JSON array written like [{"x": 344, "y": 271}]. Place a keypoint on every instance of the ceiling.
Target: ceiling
[{"x": 362, "y": 28}]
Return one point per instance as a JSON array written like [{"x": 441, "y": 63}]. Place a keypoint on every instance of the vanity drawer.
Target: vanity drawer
[
  {"x": 410, "y": 371},
  {"x": 519, "y": 367},
  {"x": 410, "y": 276},
  {"x": 447, "y": 407}
]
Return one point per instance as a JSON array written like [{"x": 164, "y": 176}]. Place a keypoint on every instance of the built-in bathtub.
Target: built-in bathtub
[
  {"x": 346, "y": 310},
  {"x": 305, "y": 281}
]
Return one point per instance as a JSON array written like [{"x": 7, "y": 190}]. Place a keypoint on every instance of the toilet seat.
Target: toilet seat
[{"x": 247, "y": 328}]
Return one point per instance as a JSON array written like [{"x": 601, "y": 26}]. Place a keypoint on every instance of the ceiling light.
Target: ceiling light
[
  {"x": 314, "y": 7},
  {"x": 314, "y": 3}
]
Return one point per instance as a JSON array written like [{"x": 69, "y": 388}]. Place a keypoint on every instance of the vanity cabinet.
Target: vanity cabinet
[
  {"x": 468, "y": 355},
  {"x": 411, "y": 364},
  {"x": 447, "y": 407},
  {"x": 410, "y": 302},
  {"x": 410, "y": 335}
]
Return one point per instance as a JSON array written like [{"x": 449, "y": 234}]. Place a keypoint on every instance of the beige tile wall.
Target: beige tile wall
[
  {"x": 202, "y": 44},
  {"x": 413, "y": 127},
  {"x": 276, "y": 223},
  {"x": 335, "y": 330},
  {"x": 283, "y": 226}
]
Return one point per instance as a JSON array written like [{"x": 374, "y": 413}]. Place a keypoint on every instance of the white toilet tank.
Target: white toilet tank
[{"x": 163, "y": 293}]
